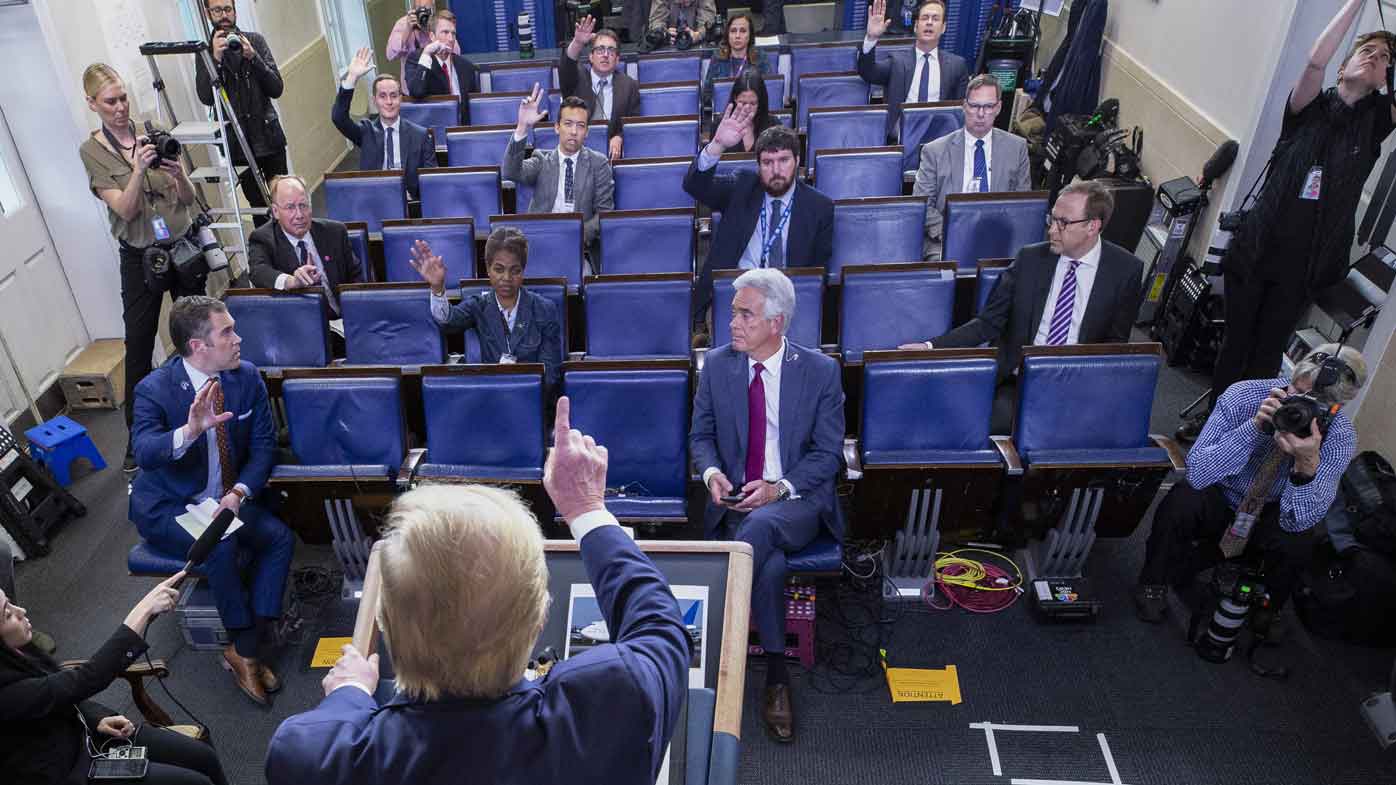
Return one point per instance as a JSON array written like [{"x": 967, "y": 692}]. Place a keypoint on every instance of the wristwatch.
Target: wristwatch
[
  {"x": 242, "y": 495},
  {"x": 782, "y": 491}
]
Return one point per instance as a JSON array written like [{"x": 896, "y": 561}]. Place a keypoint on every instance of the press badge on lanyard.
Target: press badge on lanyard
[
  {"x": 768, "y": 243},
  {"x": 162, "y": 232},
  {"x": 1241, "y": 527},
  {"x": 1313, "y": 184}
]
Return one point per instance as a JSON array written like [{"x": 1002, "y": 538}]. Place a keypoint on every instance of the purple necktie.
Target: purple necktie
[
  {"x": 755, "y": 426},
  {"x": 1066, "y": 301}
]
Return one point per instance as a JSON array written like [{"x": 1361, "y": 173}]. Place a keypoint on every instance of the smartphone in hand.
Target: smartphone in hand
[{"x": 733, "y": 498}]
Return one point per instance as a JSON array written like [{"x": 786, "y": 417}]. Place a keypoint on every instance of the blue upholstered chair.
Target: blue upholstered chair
[
  {"x": 647, "y": 241},
  {"x": 344, "y": 425},
  {"x": 371, "y": 197},
  {"x": 845, "y": 126},
  {"x": 731, "y": 163},
  {"x": 654, "y": 137},
  {"x": 639, "y": 409},
  {"x": 882, "y": 306},
  {"x": 823, "y": 58},
  {"x": 986, "y": 278},
  {"x": 358, "y": 240},
  {"x": 669, "y": 67},
  {"x": 453, "y": 239},
  {"x": 484, "y": 423},
  {"x": 669, "y": 98},
  {"x": 820, "y": 89},
  {"x": 651, "y": 183},
  {"x": 786, "y": 117},
  {"x": 775, "y": 91},
  {"x": 638, "y": 316},
  {"x": 555, "y": 289},
  {"x": 280, "y": 328},
  {"x": 922, "y": 123},
  {"x": 495, "y": 107},
  {"x": 434, "y": 112},
  {"x": 459, "y": 191},
  {"x": 809, "y": 305},
  {"x": 877, "y": 230},
  {"x": 477, "y": 145},
  {"x": 521, "y": 77},
  {"x": 554, "y": 244},
  {"x": 390, "y": 324},
  {"x": 545, "y": 138},
  {"x": 992, "y": 225},
  {"x": 857, "y": 172}
]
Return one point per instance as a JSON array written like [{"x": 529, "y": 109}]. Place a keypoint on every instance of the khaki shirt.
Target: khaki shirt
[{"x": 108, "y": 168}]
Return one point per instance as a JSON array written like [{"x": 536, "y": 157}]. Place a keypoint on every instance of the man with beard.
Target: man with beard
[{"x": 768, "y": 219}]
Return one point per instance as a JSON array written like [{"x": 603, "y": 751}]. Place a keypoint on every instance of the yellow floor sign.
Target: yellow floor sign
[
  {"x": 327, "y": 651},
  {"x": 922, "y": 684}
]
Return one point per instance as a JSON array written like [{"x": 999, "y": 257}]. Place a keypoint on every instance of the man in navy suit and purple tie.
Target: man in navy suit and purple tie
[{"x": 766, "y": 434}]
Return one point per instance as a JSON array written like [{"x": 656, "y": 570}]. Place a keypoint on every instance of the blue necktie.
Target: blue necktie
[
  {"x": 776, "y": 258},
  {"x": 923, "y": 92},
  {"x": 981, "y": 166},
  {"x": 567, "y": 183}
]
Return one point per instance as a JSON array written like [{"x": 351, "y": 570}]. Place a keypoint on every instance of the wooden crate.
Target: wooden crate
[{"x": 96, "y": 378}]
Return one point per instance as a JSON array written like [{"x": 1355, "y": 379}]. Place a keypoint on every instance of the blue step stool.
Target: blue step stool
[{"x": 57, "y": 443}]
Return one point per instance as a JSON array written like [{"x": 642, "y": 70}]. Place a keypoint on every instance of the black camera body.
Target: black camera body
[
  {"x": 235, "y": 43},
  {"x": 1231, "y": 221},
  {"x": 683, "y": 40},
  {"x": 1297, "y": 411},
  {"x": 422, "y": 14},
  {"x": 166, "y": 146}
]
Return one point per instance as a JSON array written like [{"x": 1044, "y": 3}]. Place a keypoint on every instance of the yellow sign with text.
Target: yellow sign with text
[
  {"x": 922, "y": 684},
  {"x": 328, "y": 651}
]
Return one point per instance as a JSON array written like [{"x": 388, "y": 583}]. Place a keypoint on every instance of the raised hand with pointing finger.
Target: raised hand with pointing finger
[{"x": 575, "y": 473}]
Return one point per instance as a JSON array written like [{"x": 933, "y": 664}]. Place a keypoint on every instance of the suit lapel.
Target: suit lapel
[
  {"x": 1097, "y": 307},
  {"x": 945, "y": 84},
  {"x": 738, "y": 375},
  {"x": 791, "y": 374},
  {"x": 956, "y": 147},
  {"x": 322, "y": 240},
  {"x": 547, "y": 184},
  {"x": 1042, "y": 287}
]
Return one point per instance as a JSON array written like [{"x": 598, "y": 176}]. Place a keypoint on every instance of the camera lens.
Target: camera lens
[
  {"x": 1293, "y": 416},
  {"x": 234, "y": 43}
]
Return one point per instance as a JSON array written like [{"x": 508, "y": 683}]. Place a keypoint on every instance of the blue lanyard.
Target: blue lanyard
[{"x": 767, "y": 245}]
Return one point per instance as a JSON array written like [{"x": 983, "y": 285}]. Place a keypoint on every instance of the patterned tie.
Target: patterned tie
[
  {"x": 388, "y": 147},
  {"x": 1061, "y": 315},
  {"x": 227, "y": 473},
  {"x": 755, "y": 426},
  {"x": 600, "y": 113},
  {"x": 1233, "y": 543},
  {"x": 981, "y": 166},
  {"x": 307, "y": 258},
  {"x": 776, "y": 258},
  {"x": 923, "y": 92},
  {"x": 567, "y": 183}
]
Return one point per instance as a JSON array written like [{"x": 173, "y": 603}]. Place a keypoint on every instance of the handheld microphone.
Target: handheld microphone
[
  {"x": 1219, "y": 164},
  {"x": 202, "y": 547}
]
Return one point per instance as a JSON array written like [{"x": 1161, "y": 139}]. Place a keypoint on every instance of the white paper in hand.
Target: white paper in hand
[{"x": 200, "y": 516}]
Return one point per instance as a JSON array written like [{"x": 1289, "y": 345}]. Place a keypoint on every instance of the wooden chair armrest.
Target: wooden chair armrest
[
  {"x": 1011, "y": 460},
  {"x": 137, "y": 670},
  {"x": 1175, "y": 452}
]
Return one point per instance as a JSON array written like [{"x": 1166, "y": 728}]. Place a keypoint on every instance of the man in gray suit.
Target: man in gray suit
[
  {"x": 979, "y": 159},
  {"x": 570, "y": 179},
  {"x": 766, "y": 434}
]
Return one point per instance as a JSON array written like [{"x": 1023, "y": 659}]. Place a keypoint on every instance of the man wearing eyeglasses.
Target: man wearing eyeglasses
[
  {"x": 1075, "y": 288},
  {"x": 300, "y": 252},
  {"x": 979, "y": 159},
  {"x": 609, "y": 92},
  {"x": 249, "y": 74}
]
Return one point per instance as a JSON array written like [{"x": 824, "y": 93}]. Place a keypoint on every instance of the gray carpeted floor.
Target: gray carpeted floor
[{"x": 1167, "y": 717}]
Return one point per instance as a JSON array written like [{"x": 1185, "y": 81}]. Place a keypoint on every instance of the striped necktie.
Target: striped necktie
[{"x": 1061, "y": 314}]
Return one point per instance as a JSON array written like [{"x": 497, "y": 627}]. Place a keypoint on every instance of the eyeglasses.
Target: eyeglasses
[
  {"x": 605, "y": 50},
  {"x": 1062, "y": 223},
  {"x": 981, "y": 108},
  {"x": 220, "y": 10},
  {"x": 298, "y": 207}
]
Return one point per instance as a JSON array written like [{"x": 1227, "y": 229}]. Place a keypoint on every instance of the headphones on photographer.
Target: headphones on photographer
[{"x": 1330, "y": 368}]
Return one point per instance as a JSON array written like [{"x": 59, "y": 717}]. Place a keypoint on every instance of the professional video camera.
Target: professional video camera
[
  {"x": 1092, "y": 146},
  {"x": 1297, "y": 411},
  {"x": 166, "y": 146}
]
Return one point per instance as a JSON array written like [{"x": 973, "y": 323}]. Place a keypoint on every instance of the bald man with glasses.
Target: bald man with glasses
[{"x": 296, "y": 251}]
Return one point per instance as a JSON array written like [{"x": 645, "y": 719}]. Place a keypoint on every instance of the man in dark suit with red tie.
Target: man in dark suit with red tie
[
  {"x": 438, "y": 70},
  {"x": 299, "y": 252}
]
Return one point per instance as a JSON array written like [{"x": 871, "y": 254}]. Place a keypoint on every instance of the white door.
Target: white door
[{"x": 39, "y": 319}]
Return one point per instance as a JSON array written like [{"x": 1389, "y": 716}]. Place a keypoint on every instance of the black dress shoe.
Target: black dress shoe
[
  {"x": 778, "y": 713},
  {"x": 1187, "y": 432},
  {"x": 129, "y": 465}
]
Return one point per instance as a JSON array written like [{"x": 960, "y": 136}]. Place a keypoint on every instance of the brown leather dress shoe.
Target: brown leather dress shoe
[
  {"x": 246, "y": 674},
  {"x": 269, "y": 681},
  {"x": 778, "y": 713}
]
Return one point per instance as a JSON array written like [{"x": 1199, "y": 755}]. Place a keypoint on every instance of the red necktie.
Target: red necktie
[{"x": 756, "y": 426}]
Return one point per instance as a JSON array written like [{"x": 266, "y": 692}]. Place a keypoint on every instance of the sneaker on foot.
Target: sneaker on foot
[{"x": 1151, "y": 602}]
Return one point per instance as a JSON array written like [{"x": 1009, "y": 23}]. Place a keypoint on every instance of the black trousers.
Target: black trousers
[
  {"x": 140, "y": 315},
  {"x": 1188, "y": 526},
  {"x": 175, "y": 759},
  {"x": 1004, "y": 408},
  {"x": 271, "y": 166},
  {"x": 1260, "y": 318}
]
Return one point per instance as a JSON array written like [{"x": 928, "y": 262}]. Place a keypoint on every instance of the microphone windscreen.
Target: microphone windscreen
[
  {"x": 203, "y": 546},
  {"x": 1221, "y": 161}
]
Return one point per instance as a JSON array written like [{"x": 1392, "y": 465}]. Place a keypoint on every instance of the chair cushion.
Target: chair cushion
[
  {"x": 648, "y": 507},
  {"x": 824, "y": 554},
  {"x": 460, "y": 470},
  {"x": 145, "y": 560},
  {"x": 371, "y": 471},
  {"x": 1138, "y": 455},
  {"x": 988, "y": 457}
]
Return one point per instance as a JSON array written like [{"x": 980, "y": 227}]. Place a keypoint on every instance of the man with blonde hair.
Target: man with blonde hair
[{"x": 464, "y": 598}]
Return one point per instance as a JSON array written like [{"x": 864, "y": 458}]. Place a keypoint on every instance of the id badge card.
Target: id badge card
[
  {"x": 162, "y": 232},
  {"x": 507, "y": 359},
  {"x": 973, "y": 186},
  {"x": 1313, "y": 184},
  {"x": 1241, "y": 527}
]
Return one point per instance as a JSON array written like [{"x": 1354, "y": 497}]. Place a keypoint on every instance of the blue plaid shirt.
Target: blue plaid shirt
[{"x": 1230, "y": 450}]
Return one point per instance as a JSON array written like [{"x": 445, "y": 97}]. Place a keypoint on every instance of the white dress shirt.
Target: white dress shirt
[
  {"x": 751, "y": 255},
  {"x": 397, "y": 143},
  {"x": 179, "y": 447},
  {"x": 969, "y": 185},
  {"x": 771, "y": 469},
  {"x": 1085, "y": 279},
  {"x": 913, "y": 93},
  {"x": 284, "y": 280},
  {"x": 603, "y": 97},
  {"x": 560, "y": 203}
]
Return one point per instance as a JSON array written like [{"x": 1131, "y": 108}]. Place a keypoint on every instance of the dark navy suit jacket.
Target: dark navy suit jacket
[
  {"x": 164, "y": 484},
  {"x": 422, "y": 82},
  {"x": 895, "y": 77},
  {"x": 416, "y": 146},
  {"x": 811, "y": 425},
  {"x": 536, "y": 338},
  {"x": 603, "y": 716},
  {"x": 809, "y": 240}
]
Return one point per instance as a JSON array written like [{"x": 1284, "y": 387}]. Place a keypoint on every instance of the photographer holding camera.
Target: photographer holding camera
[
  {"x": 1264, "y": 471},
  {"x": 683, "y": 22},
  {"x": 413, "y": 32},
  {"x": 248, "y": 72},
  {"x": 150, "y": 206},
  {"x": 1297, "y": 238}
]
